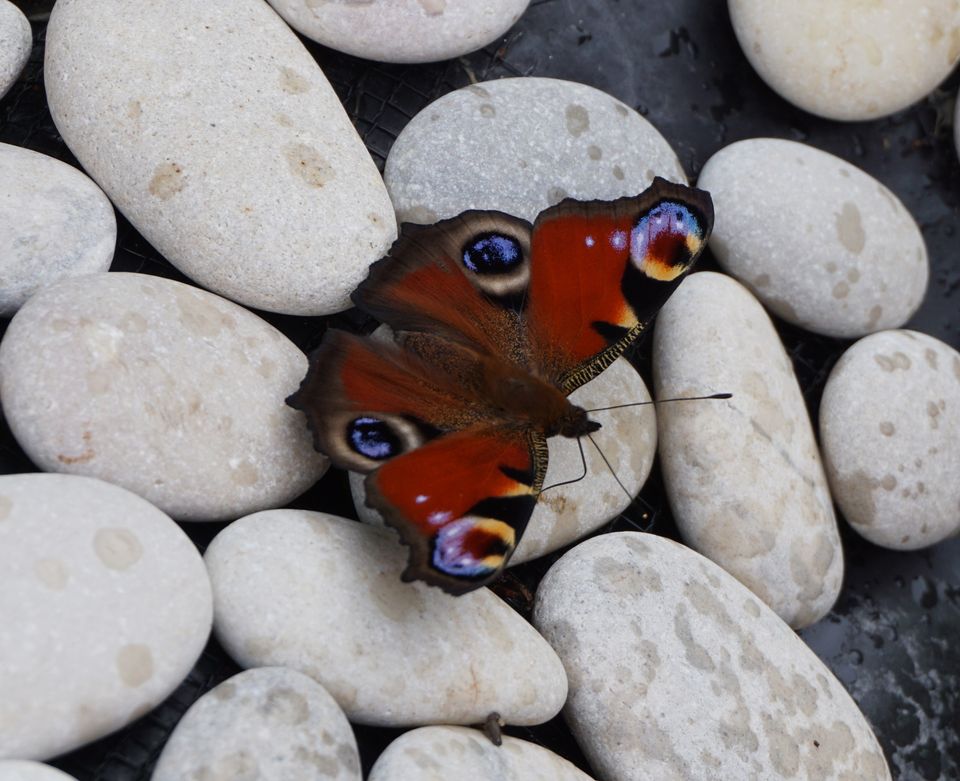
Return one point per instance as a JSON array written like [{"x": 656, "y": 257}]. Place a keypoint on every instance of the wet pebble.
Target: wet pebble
[
  {"x": 269, "y": 724},
  {"x": 323, "y": 595},
  {"x": 519, "y": 146},
  {"x": 22, "y": 770},
  {"x": 890, "y": 428},
  {"x": 822, "y": 244},
  {"x": 54, "y": 222},
  {"x": 566, "y": 513},
  {"x": 403, "y": 30},
  {"x": 678, "y": 672},
  {"x": 223, "y": 143},
  {"x": 743, "y": 476},
  {"x": 16, "y": 41},
  {"x": 442, "y": 753},
  {"x": 105, "y": 607},
  {"x": 849, "y": 60},
  {"x": 167, "y": 390}
]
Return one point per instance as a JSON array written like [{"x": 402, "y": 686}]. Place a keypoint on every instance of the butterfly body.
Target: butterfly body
[{"x": 495, "y": 322}]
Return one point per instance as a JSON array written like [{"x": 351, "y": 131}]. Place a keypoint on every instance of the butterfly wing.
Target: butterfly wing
[{"x": 601, "y": 270}]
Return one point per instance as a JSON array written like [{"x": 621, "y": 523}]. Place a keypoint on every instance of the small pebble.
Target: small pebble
[
  {"x": 402, "y": 30},
  {"x": 566, "y": 513},
  {"x": 105, "y": 607},
  {"x": 890, "y": 428},
  {"x": 519, "y": 146},
  {"x": 323, "y": 595},
  {"x": 22, "y": 770},
  {"x": 223, "y": 143},
  {"x": 743, "y": 476},
  {"x": 16, "y": 41},
  {"x": 167, "y": 390},
  {"x": 444, "y": 753},
  {"x": 678, "y": 672},
  {"x": 822, "y": 244},
  {"x": 54, "y": 222},
  {"x": 268, "y": 724},
  {"x": 849, "y": 59}
]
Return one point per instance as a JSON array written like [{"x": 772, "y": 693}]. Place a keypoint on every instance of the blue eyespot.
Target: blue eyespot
[
  {"x": 373, "y": 438},
  {"x": 492, "y": 253}
]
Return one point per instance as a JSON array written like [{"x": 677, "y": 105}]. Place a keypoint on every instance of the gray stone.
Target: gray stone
[
  {"x": 848, "y": 59},
  {"x": 167, "y": 390},
  {"x": 568, "y": 512},
  {"x": 224, "y": 144},
  {"x": 443, "y": 753},
  {"x": 519, "y": 146},
  {"x": 16, "y": 41},
  {"x": 821, "y": 243},
  {"x": 743, "y": 476},
  {"x": 54, "y": 222},
  {"x": 678, "y": 673},
  {"x": 402, "y": 30},
  {"x": 269, "y": 724},
  {"x": 890, "y": 432},
  {"x": 24, "y": 770},
  {"x": 323, "y": 595},
  {"x": 105, "y": 607}
]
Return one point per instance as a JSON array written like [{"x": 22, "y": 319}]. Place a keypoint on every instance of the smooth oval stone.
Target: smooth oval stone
[
  {"x": 443, "y": 753},
  {"x": 223, "y": 143},
  {"x": 890, "y": 432},
  {"x": 678, "y": 672},
  {"x": 849, "y": 59},
  {"x": 105, "y": 608},
  {"x": 568, "y": 512},
  {"x": 54, "y": 222},
  {"x": 822, "y": 244},
  {"x": 23, "y": 770},
  {"x": 162, "y": 388},
  {"x": 323, "y": 595},
  {"x": 16, "y": 41},
  {"x": 743, "y": 476},
  {"x": 519, "y": 146},
  {"x": 269, "y": 724},
  {"x": 402, "y": 30}
]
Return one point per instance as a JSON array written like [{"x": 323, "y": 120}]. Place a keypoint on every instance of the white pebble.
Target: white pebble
[
  {"x": 24, "y": 770},
  {"x": 16, "y": 41}
]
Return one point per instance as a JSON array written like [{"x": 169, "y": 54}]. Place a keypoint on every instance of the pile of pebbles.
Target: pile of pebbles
[{"x": 149, "y": 403}]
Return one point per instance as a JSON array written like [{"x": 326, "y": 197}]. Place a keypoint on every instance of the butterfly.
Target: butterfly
[{"x": 495, "y": 322}]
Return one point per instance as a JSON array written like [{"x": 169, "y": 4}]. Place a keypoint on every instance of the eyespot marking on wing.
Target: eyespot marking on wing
[
  {"x": 373, "y": 438},
  {"x": 473, "y": 547},
  {"x": 496, "y": 261},
  {"x": 363, "y": 441},
  {"x": 665, "y": 241}
]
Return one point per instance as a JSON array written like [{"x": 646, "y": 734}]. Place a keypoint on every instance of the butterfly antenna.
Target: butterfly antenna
[
  {"x": 663, "y": 401},
  {"x": 583, "y": 460},
  {"x": 648, "y": 513}
]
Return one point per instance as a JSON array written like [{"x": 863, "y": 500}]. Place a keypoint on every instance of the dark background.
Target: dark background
[{"x": 893, "y": 637}]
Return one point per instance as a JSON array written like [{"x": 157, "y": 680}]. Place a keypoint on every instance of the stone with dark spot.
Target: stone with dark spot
[
  {"x": 821, "y": 243},
  {"x": 724, "y": 690},
  {"x": 269, "y": 722},
  {"x": 105, "y": 608},
  {"x": 890, "y": 432}
]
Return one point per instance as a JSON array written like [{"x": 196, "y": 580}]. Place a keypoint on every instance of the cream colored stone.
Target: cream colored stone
[
  {"x": 23, "y": 770},
  {"x": 743, "y": 476},
  {"x": 323, "y": 595},
  {"x": 89, "y": 646},
  {"x": 16, "y": 41}
]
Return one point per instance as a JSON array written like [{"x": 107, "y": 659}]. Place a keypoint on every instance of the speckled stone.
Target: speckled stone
[
  {"x": 402, "y": 30},
  {"x": 268, "y": 724},
  {"x": 849, "y": 59},
  {"x": 105, "y": 607},
  {"x": 890, "y": 428},
  {"x": 54, "y": 222},
  {"x": 519, "y": 146},
  {"x": 444, "y": 753},
  {"x": 743, "y": 476},
  {"x": 162, "y": 388},
  {"x": 323, "y": 595},
  {"x": 821, "y": 243},
  {"x": 629, "y": 441},
  {"x": 16, "y": 41},
  {"x": 678, "y": 673},
  {"x": 223, "y": 143},
  {"x": 22, "y": 770}
]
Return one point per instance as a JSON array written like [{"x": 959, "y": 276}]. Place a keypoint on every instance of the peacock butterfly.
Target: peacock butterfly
[{"x": 495, "y": 322}]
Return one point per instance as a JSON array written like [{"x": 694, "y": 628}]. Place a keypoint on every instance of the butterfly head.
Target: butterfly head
[{"x": 573, "y": 424}]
